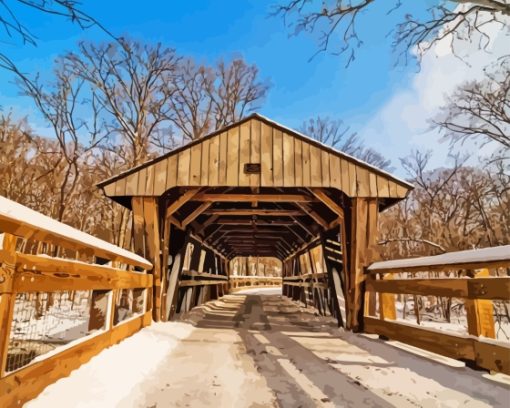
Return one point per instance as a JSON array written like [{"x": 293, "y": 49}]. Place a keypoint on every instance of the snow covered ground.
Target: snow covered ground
[{"x": 116, "y": 376}]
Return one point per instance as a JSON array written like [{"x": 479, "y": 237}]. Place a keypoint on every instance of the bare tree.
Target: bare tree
[
  {"x": 59, "y": 102},
  {"x": 459, "y": 207},
  {"x": 209, "y": 98},
  {"x": 192, "y": 104},
  {"x": 238, "y": 91},
  {"x": 451, "y": 19},
  {"x": 480, "y": 110},
  {"x": 336, "y": 134},
  {"x": 18, "y": 160},
  {"x": 131, "y": 83}
]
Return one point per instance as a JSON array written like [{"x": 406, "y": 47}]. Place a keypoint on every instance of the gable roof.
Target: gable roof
[{"x": 287, "y": 158}]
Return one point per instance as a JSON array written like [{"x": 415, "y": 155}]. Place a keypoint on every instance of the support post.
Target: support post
[
  {"x": 387, "y": 308},
  {"x": 480, "y": 313},
  {"x": 146, "y": 238},
  {"x": 177, "y": 250},
  {"x": 7, "y": 297},
  {"x": 335, "y": 265},
  {"x": 361, "y": 252}
]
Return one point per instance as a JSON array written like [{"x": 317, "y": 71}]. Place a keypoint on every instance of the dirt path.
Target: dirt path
[{"x": 259, "y": 351}]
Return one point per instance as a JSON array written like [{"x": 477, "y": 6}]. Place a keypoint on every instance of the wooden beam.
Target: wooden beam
[
  {"x": 183, "y": 199},
  {"x": 199, "y": 210},
  {"x": 152, "y": 236},
  {"x": 206, "y": 223},
  {"x": 486, "y": 355},
  {"x": 258, "y": 222},
  {"x": 188, "y": 283},
  {"x": 316, "y": 217},
  {"x": 174, "y": 221},
  {"x": 7, "y": 299},
  {"x": 252, "y": 238},
  {"x": 299, "y": 237},
  {"x": 256, "y": 211},
  {"x": 363, "y": 237},
  {"x": 328, "y": 202},
  {"x": 261, "y": 198},
  {"x": 496, "y": 288}
]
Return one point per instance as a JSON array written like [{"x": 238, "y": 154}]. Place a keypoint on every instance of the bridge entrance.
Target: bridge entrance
[{"x": 257, "y": 188}]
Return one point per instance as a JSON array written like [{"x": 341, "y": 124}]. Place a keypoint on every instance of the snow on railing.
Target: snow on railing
[
  {"x": 22, "y": 221},
  {"x": 484, "y": 257},
  {"x": 458, "y": 303}
]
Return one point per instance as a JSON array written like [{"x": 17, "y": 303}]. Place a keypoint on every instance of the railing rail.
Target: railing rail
[
  {"x": 475, "y": 284},
  {"x": 241, "y": 282},
  {"x": 41, "y": 295}
]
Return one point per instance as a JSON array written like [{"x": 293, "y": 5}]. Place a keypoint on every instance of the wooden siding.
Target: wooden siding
[{"x": 285, "y": 160}]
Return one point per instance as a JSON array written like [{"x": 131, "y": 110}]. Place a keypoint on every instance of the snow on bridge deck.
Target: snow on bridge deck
[{"x": 249, "y": 350}]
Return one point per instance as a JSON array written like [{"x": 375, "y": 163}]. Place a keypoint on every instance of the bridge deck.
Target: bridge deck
[{"x": 249, "y": 349}]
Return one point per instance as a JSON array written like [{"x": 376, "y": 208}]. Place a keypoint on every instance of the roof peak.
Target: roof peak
[{"x": 275, "y": 125}]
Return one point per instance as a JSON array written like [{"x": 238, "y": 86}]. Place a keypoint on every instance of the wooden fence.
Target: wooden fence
[
  {"x": 312, "y": 277},
  {"x": 243, "y": 282},
  {"x": 64, "y": 296},
  {"x": 472, "y": 278}
]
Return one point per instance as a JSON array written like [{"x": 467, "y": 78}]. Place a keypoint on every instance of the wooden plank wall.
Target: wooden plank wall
[{"x": 286, "y": 161}]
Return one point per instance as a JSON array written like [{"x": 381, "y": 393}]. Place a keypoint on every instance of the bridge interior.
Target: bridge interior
[{"x": 212, "y": 226}]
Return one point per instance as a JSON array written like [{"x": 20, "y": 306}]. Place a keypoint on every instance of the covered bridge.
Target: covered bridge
[{"x": 256, "y": 188}]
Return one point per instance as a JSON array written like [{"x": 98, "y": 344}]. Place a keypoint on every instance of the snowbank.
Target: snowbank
[{"x": 113, "y": 376}]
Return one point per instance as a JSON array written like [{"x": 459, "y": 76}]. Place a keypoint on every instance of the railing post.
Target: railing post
[
  {"x": 7, "y": 297},
  {"x": 480, "y": 313},
  {"x": 387, "y": 309},
  {"x": 370, "y": 296}
]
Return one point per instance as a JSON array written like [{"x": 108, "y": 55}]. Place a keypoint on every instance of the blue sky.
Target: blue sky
[{"x": 209, "y": 30}]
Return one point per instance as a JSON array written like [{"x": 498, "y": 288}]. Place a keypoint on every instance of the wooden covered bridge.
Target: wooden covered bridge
[{"x": 255, "y": 188}]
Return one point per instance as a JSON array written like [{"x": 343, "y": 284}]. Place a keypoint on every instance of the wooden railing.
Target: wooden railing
[
  {"x": 91, "y": 287},
  {"x": 311, "y": 289},
  {"x": 472, "y": 278},
  {"x": 243, "y": 282}
]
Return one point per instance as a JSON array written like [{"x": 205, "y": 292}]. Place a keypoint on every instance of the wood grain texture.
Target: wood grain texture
[
  {"x": 325, "y": 156},
  {"x": 298, "y": 162},
  {"x": 266, "y": 155},
  {"x": 195, "y": 165},
  {"x": 277, "y": 158},
  {"x": 183, "y": 167},
  {"x": 286, "y": 160},
  {"x": 289, "y": 179},
  {"x": 486, "y": 355},
  {"x": 160, "y": 175},
  {"x": 214, "y": 161},
  {"x": 255, "y": 150},
  {"x": 233, "y": 157},
  {"x": 315, "y": 166},
  {"x": 204, "y": 166},
  {"x": 222, "y": 167},
  {"x": 244, "y": 153}
]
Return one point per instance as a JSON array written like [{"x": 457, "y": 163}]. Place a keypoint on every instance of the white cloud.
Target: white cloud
[{"x": 403, "y": 123}]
